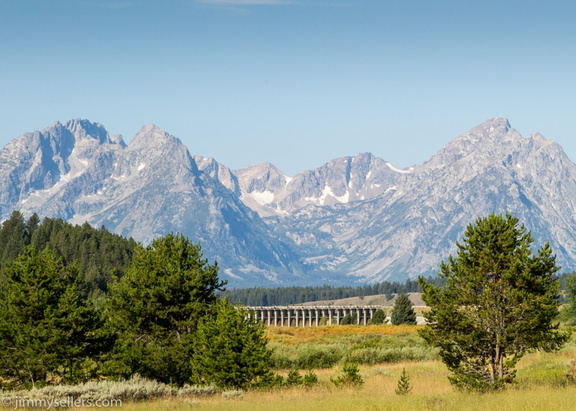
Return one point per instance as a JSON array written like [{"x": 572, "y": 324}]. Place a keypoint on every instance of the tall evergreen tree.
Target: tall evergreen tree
[
  {"x": 500, "y": 302},
  {"x": 156, "y": 307},
  {"x": 13, "y": 237},
  {"x": 403, "y": 313},
  {"x": 47, "y": 331},
  {"x": 230, "y": 349}
]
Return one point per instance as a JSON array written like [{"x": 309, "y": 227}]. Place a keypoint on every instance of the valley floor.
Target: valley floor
[
  {"x": 541, "y": 384},
  {"x": 431, "y": 391}
]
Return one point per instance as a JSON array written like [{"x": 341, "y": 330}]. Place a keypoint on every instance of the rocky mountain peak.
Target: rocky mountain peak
[
  {"x": 152, "y": 136},
  {"x": 84, "y": 129},
  {"x": 494, "y": 125},
  {"x": 261, "y": 177},
  {"x": 218, "y": 172},
  {"x": 488, "y": 144}
]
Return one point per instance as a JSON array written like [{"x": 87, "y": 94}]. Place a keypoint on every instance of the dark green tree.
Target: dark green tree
[
  {"x": 379, "y": 317},
  {"x": 230, "y": 349},
  {"x": 13, "y": 237},
  {"x": 349, "y": 319},
  {"x": 47, "y": 331},
  {"x": 403, "y": 313},
  {"x": 500, "y": 301},
  {"x": 156, "y": 307}
]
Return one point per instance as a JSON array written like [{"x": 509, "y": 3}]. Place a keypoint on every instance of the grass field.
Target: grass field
[
  {"x": 431, "y": 391},
  {"x": 541, "y": 382}
]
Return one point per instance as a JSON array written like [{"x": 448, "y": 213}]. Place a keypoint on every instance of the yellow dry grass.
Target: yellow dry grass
[
  {"x": 541, "y": 384},
  {"x": 295, "y": 335},
  {"x": 431, "y": 391}
]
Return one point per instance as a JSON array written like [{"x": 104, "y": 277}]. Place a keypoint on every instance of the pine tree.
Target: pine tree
[
  {"x": 12, "y": 237},
  {"x": 499, "y": 302},
  {"x": 404, "y": 387},
  {"x": 46, "y": 328},
  {"x": 403, "y": 313},
  {"x": 156, "y": 307},
  {"x": 230, "y": 349},
  {"x": 379, "y": 317}
]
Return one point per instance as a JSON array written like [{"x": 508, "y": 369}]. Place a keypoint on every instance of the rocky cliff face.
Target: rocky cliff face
[
  {"x": 270, "y": 192},
  {"x": 406, "y": 232},
  {"x": 355, "y": 219},
  {"x": 146, "y": 189}
]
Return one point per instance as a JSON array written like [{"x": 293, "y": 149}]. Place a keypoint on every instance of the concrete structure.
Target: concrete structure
[{"x": 308, "y": 316}]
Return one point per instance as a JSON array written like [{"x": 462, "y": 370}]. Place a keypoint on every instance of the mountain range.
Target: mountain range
[{"x": 353, "y": 220}]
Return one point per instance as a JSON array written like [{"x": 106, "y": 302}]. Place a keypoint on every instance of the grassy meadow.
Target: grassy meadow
[{"x": 541, "y": 384}]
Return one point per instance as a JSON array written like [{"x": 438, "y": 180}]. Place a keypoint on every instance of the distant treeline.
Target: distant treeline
[
  {"x": 98, "y": 254},
  {"x": 261, "y": 296}
]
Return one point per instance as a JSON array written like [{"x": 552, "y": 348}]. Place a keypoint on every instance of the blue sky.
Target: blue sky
[{"x": 295, "y": 82}]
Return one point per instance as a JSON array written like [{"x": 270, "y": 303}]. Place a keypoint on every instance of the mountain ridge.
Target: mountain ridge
[{"x": 354, "y": 219}]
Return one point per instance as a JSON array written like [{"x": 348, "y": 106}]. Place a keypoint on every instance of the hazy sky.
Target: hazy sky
[{"x": 293, "y": 82}]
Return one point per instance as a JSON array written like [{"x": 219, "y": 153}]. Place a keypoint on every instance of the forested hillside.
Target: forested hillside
[{"x": 98, "y": 253}]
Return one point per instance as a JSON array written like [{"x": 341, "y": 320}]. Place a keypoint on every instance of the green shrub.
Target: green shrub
[
  {"x": 294, "y": 378},
  {"x": 379, "y": 317},
  {"x": 368, "y": 349},
  {"x": 350, "y": 318},
  {"x": 350, "y": 376},
  {"x": 306, "y": 356},
  {"x": 310, "y": 379}
]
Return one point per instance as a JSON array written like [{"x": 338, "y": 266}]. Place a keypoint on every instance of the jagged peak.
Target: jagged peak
[
  {"x": 496, "y": 123},
  {"x": 492, "y": 129},
  {"x": 260, "y": 168},
  {"x": 85, "y": 129},
  {"x": 365, "y": 156},
  {"x": 80, "y": 130},
  {"x": 151, "y": 135}
]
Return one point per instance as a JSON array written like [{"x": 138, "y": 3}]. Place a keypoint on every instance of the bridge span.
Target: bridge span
[{"x": 308, "y": 316}]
